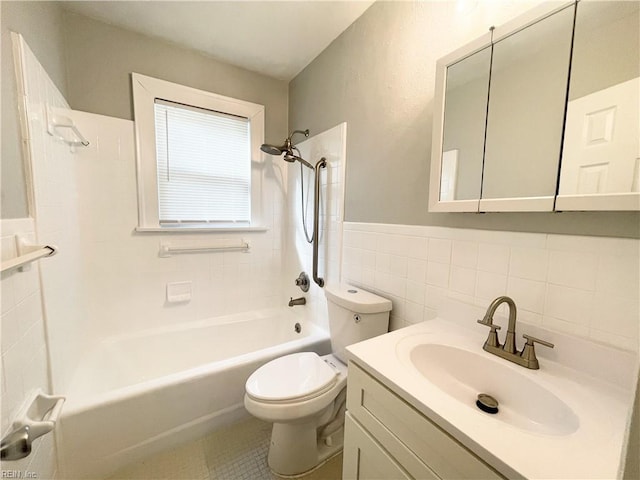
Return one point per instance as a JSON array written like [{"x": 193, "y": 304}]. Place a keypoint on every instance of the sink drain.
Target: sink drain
[{"x": 487, "y": 403}]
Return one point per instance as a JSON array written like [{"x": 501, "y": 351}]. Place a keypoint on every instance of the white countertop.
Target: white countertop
[{"x": 601, "y": 400}]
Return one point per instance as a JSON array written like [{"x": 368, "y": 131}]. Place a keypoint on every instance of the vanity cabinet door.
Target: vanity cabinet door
[
  {"x": 421, "y": 447},
  {"x": 365, "y": 459},
  {"x": 525, "y": 115}
]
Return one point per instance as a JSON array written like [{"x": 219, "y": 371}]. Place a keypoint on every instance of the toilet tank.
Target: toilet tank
[{"x": 354, "y": 315}]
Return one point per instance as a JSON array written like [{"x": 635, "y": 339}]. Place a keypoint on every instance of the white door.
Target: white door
[
  {"x": 449, "y": 175},
  {"x": 602, "y": 142}
]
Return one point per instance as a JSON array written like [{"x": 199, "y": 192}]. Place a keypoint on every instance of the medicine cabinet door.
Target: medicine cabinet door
[
  {"x": 527, "y": 99},
  {"x": 601, "y": 154},
  {"x": 458, "y": 141}
]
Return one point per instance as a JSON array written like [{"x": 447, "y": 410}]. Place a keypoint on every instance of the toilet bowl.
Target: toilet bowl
[{"x": 304, "y": 395}]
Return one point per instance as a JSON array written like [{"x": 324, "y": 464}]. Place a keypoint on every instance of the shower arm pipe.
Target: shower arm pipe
[
  {"x": 303, "y": 132},
  {"x": 316, "y": 221},
  {"x": 290, "y": 147}
]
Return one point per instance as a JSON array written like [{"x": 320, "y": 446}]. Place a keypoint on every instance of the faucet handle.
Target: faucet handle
[
  {"x": 492, "y": 339},
  {"x": 529, "y": 351},
  {"x": 487, "y": 323},
  {"x": 530, "y": 341},
  {"x": 303, "y": 282}
]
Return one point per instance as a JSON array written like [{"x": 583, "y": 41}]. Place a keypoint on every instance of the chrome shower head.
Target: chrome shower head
[
  {"x": 272, "y": 149},
  {"x": 286, "y": 148}
]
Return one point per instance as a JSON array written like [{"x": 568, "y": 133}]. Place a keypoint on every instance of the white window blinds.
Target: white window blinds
[{"x": 203, "y": 165}]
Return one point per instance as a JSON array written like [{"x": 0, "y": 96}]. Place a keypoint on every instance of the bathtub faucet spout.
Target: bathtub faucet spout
[{"x": 297, "y": 301}]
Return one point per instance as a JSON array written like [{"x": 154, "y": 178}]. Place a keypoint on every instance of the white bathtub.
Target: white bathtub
[{"x": 138, "y": 394}]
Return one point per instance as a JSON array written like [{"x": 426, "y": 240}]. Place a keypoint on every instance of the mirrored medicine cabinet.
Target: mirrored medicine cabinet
[{"x": 541, "y": 114}]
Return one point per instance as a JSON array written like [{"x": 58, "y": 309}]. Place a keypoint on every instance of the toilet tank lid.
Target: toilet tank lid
[{"x": 356, "y": 299}]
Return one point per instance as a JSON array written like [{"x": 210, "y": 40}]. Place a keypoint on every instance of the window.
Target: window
[
  {"x": 204, "y": 165},
  {"x": 198, "y": 158}
]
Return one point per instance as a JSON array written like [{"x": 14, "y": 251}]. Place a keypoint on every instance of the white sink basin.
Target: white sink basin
[
  {"x": 568, "y": 420},
  {"x": 523, "y": 403}
]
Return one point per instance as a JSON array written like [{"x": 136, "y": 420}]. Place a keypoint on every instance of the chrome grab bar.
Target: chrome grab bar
[{"x": 322, "y": 163}]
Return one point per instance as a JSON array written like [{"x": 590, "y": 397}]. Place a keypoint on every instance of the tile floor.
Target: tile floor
[{"x": 237, "y": 452}]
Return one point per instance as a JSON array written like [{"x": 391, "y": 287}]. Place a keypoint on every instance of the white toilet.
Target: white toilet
[{"x": 304, "y": 394}]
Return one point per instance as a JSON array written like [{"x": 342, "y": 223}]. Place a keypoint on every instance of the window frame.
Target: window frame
[{"x": 145, "y": 91}]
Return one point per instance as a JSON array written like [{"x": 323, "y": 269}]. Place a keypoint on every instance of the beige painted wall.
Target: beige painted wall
[
  {"x": 600, "y": 30},
  {"x": 41, "y": 25},
  {"x": 378, "y": 76},
  {"x": 91, "y": 62},
  {"x": 102, "y": 57}
]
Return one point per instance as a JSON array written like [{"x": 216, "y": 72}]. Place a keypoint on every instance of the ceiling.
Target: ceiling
[{"x": 277, "y": 39}]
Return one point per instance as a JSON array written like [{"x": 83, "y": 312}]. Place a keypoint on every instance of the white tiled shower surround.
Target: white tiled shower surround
[
  {"x": 584, "y": 286},
  {"x": 330, "y": 145},
  {"x": 24, "y": 351},
  {"x": 126, "y": 279},
  {"x": 53, "y": 203},
  {"x": 108, "y": 279}
]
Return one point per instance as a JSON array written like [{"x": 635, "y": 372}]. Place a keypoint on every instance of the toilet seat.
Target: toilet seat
[{"x": 296, "y": 377}]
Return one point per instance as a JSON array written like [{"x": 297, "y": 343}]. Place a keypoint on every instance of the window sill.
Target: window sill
[{"x": 172, "y": 230}]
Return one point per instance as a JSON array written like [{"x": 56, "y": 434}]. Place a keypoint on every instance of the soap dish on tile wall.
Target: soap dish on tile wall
[
  {"x": 37, "y": 417},
  {"x": 57, "y": 123}
]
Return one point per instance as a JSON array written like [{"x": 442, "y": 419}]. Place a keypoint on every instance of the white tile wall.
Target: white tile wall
[
  {"x": 24, "y": 356},
  {"x": 586, "y": 286},
  {"x": 125, "y": 278},
  {"x": 53, "y": 203},
  {"x": 330, "y": 144},
  {"x": 125, "y": 281},
  {"x": 108, "y": 279}
]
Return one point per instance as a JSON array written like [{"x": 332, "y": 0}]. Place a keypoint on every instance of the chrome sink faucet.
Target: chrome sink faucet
[{"x": 527, "y": 357}]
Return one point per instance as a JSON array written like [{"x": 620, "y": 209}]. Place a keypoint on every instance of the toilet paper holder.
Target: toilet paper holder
[{"x": 37, "y": 417}]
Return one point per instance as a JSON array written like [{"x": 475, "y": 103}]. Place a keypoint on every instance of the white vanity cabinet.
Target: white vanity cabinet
[{"x": 386, "y": 438}]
